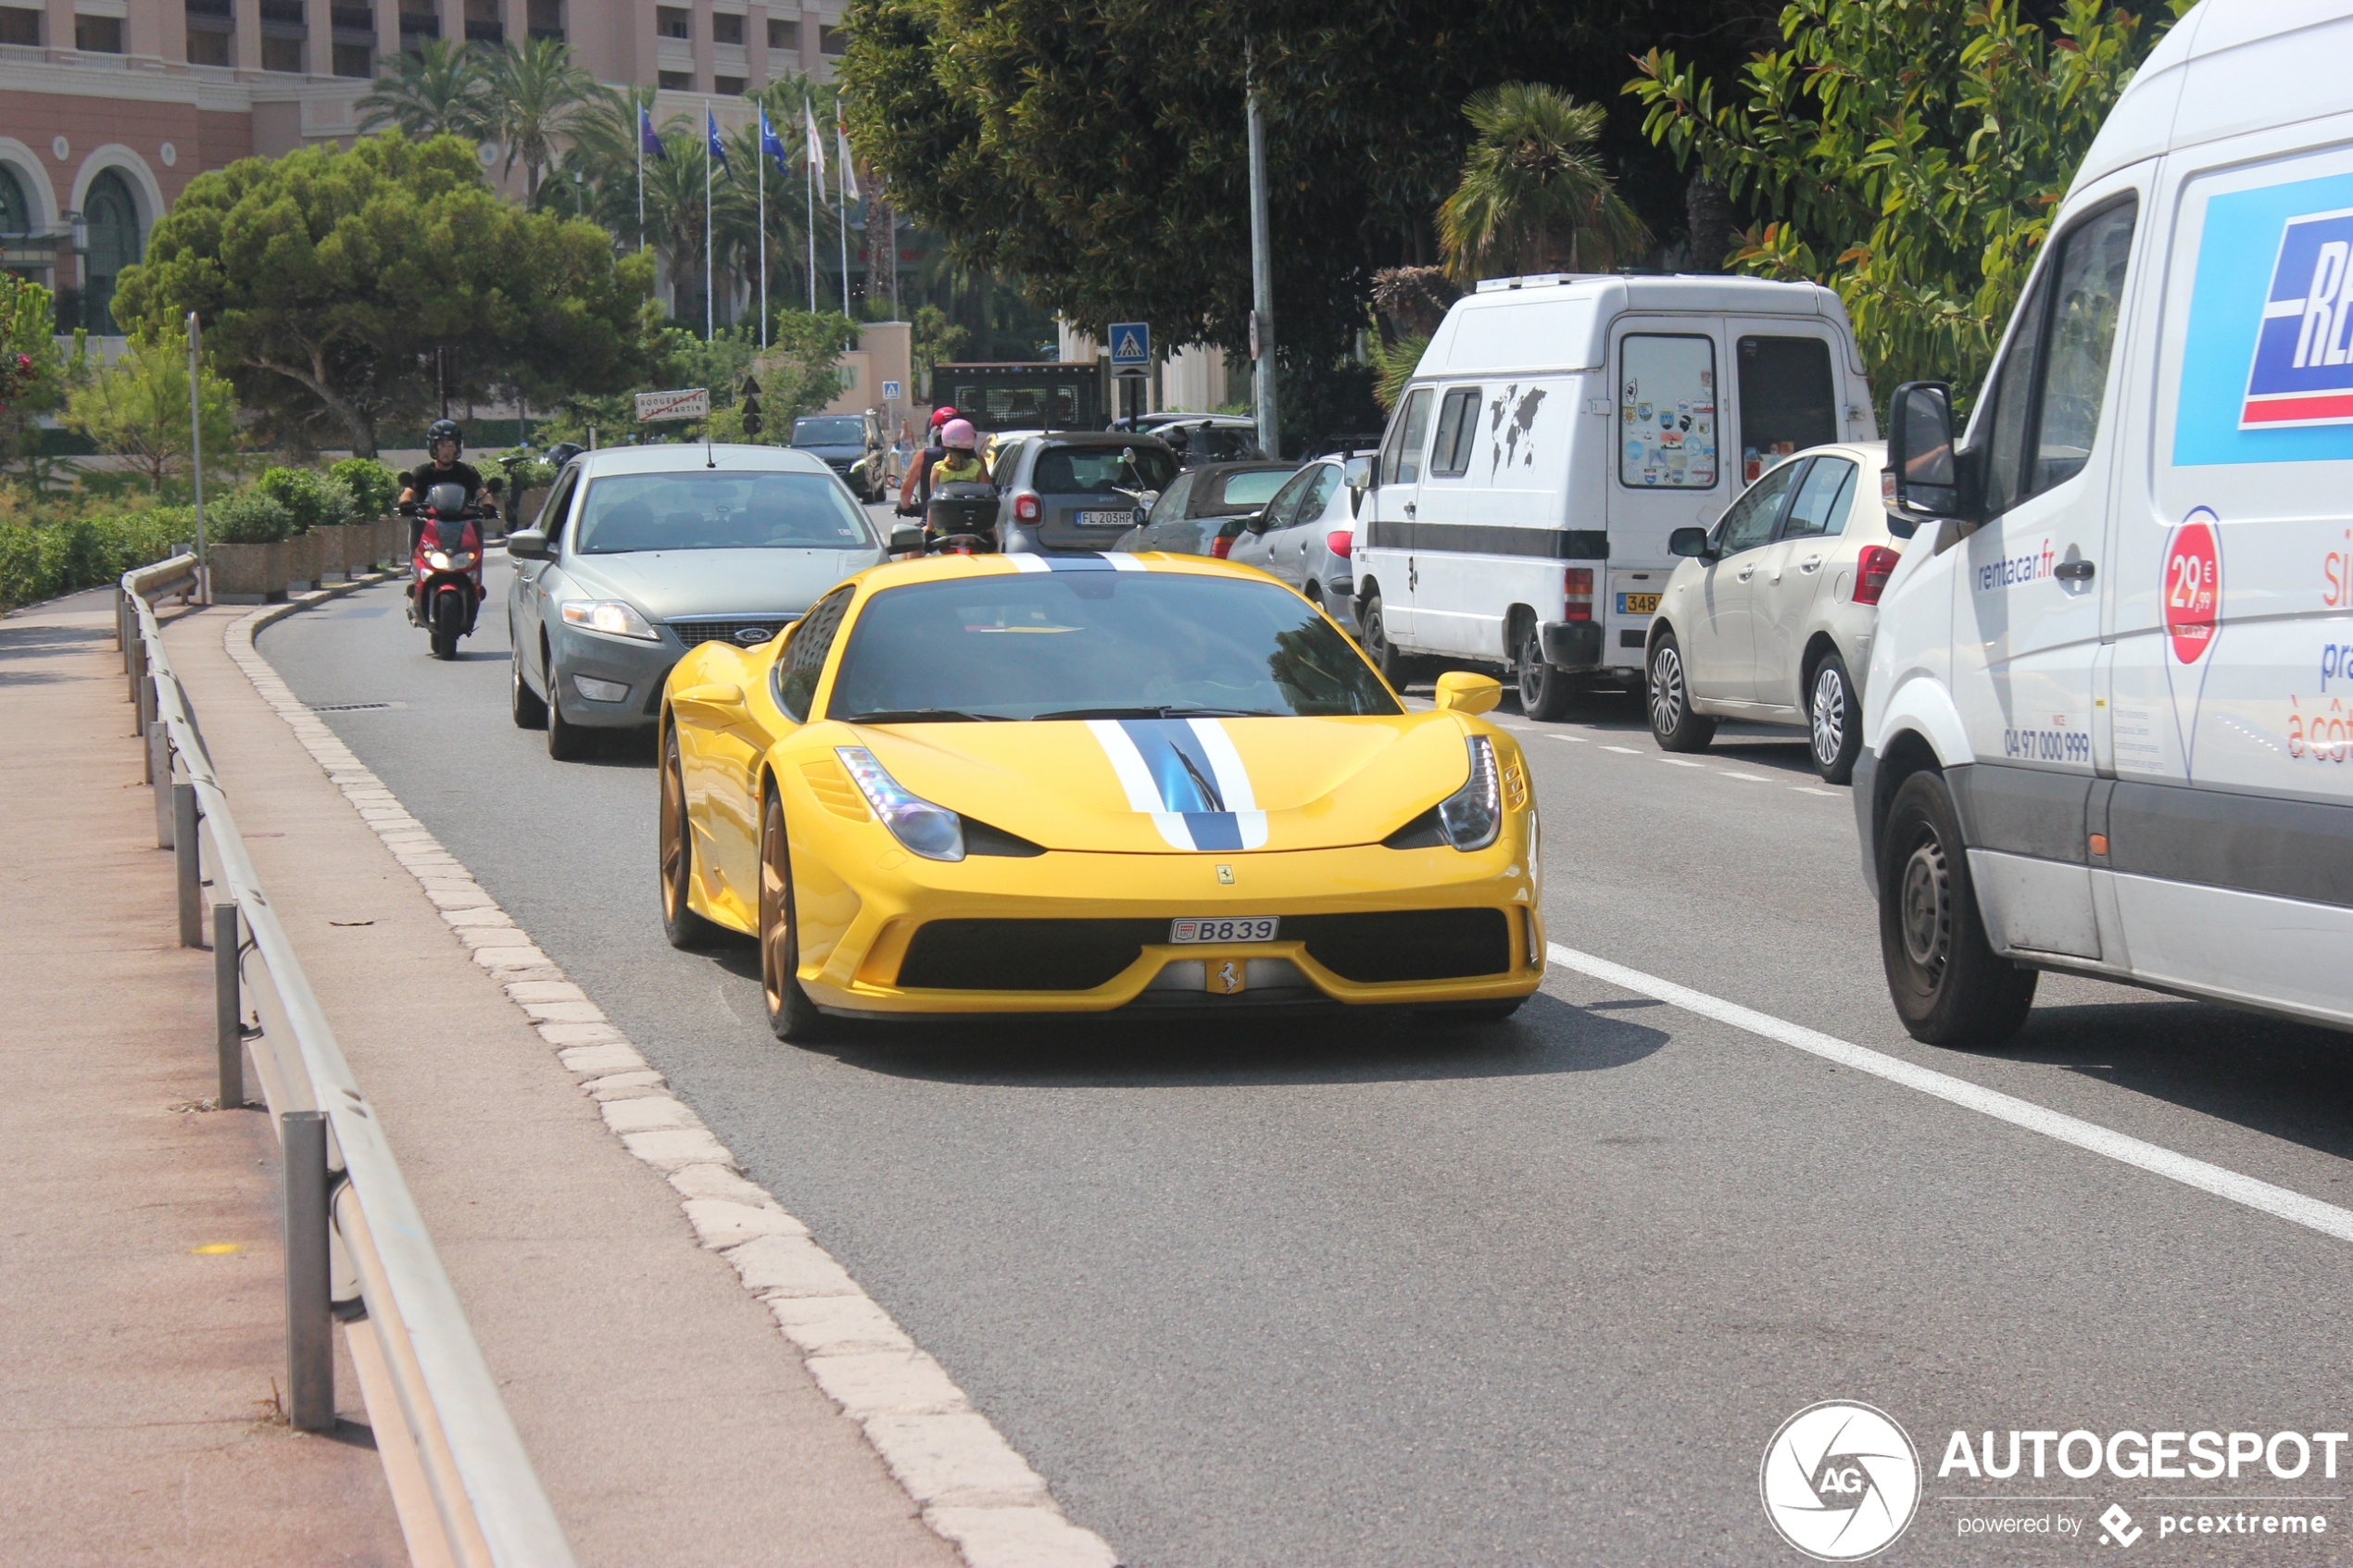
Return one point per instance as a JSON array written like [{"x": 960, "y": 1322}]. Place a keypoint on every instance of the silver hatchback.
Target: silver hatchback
[{"x": 1306, "y": 536}]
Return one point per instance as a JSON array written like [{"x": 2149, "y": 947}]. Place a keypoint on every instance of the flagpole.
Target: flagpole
[
  {"x": 641, "y": 180},
  {"x": 706, "y": 233},
  {"x": 841, "y": 146},
  {"x": 809, "y": 169},
  {"x": 762, "y": 161}
]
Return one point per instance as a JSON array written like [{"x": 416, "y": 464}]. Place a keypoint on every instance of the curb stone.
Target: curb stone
[{"x": 970, "y": 1485}]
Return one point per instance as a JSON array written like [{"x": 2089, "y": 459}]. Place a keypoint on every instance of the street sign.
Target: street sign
[
  {"x": 1131, "y": 344},
  {"x": 890, "y": 391},
  {"x": 688, "y": 403}
]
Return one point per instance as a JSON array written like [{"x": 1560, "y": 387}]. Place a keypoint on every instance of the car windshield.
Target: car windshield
[
  {"x": 1096, "y": 644},
  {"x": 1246, "y": 490},
  {"x": 829, "y": 430},
  {"x": 1085, "y": 470},
  {"x": 704, "y": 510}
]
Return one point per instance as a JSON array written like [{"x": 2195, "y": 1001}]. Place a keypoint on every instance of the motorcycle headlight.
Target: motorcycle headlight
[
  {"x": 437, "y": 559},
  {"x": 1473, "y": 814},
  {"x": 614, "y": 618},
  {"x": 450, "y": 560},
  {"x": 933, "y": 831}
]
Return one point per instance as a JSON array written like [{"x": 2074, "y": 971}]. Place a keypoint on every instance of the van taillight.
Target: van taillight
[
  {"x": 1026, "y": 508},
  {"x": 1871, "y": 572},
  {"x": 1339, "y": 542},
  {"x": 1578, "y": 591}
]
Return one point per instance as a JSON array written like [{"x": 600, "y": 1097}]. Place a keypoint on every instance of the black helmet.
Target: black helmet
[{"x": 441, "y": 431}]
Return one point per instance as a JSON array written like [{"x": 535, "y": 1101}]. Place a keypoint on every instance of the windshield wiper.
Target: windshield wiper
[
  {"x": 1165, "y": 712},
  {"x": 923, "y": 716}
]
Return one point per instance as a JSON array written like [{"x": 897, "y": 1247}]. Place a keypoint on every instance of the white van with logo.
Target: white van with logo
[
  {"x": 2110, "y": 713},
  {"x": 1556, "y": 431}
]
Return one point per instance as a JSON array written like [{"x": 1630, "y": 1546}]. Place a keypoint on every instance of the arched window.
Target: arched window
[
  {"x": 16, "y": 210},
  {"x": 111, "y": 215}
]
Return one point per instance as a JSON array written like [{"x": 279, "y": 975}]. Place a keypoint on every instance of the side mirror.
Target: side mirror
[
  {"x": 1919, "y": 450},
  {"x": 494, "y": 483},
  {"x": 1459, "y": 691},
  {"x": 528, "y": 544},
  {"x": 907, "y": 539},
  {"x": 1692, "y": 542},
  {"x": 1358, "y": 472},
  {"x": 718, "y": 697},
  {"x": 1255, "y": 522}
]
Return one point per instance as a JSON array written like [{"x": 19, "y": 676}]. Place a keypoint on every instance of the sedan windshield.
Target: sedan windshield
[
  {"x": 718, "y": 511},
  {"x": 1096, "y": 644},
  {"x": 829, "y": 430},
  {"x": 1085, "y": 470}
]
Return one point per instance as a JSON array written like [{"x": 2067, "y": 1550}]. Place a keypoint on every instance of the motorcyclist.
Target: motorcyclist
[
  {"x": 443, "y": 465},
  {"x": 914, "y": 489}
]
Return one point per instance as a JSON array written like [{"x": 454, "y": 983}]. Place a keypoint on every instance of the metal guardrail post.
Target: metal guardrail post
[
  {"x": 185, "y": 845},
  {"x": 143, "y": 691},
  {"x": 227, "y": 1007},
  {"x": 159, "y": 775},
  {"x": 311, "y": 1346}
]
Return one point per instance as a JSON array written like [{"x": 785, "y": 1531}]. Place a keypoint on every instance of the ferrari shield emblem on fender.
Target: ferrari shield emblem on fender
[
  {"x": 1226, "y": 875},
  {"x": 1225, "y": 976}
]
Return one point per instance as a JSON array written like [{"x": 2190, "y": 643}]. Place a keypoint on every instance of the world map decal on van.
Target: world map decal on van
[{"x": 2267, "y": 362}]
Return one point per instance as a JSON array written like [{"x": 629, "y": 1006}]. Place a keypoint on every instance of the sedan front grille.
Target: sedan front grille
[{"x": 693, "y": 631}]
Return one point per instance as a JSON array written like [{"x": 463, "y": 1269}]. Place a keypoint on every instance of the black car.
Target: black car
[
  {"x": 1204, "y": 509},
  {"x": 848, "y": 445}
]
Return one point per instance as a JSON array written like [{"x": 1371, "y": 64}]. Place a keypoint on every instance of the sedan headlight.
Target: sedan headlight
[
  {"x": 1473, "y": 814},
  {"x": 614, "y": 618},
  {"x": 933, "y": 831}
]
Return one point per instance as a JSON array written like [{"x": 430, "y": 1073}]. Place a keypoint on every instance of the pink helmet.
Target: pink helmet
[{"x": 959, "y": 434}]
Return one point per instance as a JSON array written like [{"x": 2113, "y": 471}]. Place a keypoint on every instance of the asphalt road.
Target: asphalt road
[{"x": 1363, "y": 1292}]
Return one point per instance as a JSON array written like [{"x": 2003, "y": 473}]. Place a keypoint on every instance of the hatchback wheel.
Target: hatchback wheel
[
  {"x": 1949, "y": 986},
  {"x": 1673, "y": 724},
  {"x": 1835, "y": 716}
]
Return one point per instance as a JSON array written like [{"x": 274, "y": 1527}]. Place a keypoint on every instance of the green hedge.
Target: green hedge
[{"x": 42, "y": 561}]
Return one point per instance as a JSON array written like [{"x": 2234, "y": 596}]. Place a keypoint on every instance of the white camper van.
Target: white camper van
[
  {"x": 1557, "y": 430},
  {"x": 2110, "y": 713}
]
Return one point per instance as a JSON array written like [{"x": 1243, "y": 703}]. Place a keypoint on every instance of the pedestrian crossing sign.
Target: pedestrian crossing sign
[{"x": 1131, "y": 343}]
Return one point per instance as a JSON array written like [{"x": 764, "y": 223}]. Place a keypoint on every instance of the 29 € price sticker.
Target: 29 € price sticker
[{"x": 2193, "y": 586}]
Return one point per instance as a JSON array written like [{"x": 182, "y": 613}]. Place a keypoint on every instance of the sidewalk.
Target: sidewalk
[
  {"x": 670, "y": 1420},
  {"x": 142, "y": 1305}
]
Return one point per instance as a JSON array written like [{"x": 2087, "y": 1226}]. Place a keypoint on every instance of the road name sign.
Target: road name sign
[
  {"x": 1131, "y": 344},
  {"x": 686, "y": 403}
]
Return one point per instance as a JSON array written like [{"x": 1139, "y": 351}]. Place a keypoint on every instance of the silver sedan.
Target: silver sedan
[{"x": 641, "y": 552}]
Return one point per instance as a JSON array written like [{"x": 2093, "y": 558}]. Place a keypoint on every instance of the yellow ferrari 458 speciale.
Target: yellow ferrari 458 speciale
[{"x": 1066, "y": 784}]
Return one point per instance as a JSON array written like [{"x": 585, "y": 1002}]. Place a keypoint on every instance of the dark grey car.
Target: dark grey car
[
  {"x": 1077, "y": 489},
  {"x": 641, "y": 552},
  {"x": 1205, "y": 505},
  {"x": 848, "y": 445}
]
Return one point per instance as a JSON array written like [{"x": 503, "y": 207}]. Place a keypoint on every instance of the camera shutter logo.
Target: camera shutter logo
[{"x": 1840, "y": 1481}]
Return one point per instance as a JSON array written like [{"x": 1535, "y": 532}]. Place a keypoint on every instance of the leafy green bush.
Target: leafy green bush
[
  {"x": 374, "y": 486},
  {"x": 250, "y": 517},
  {"x": 42, "y": 561},
  {"x": 312, "y": 499}
]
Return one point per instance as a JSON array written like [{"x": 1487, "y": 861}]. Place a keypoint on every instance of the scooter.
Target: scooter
[{"x": 444, "y": 571}]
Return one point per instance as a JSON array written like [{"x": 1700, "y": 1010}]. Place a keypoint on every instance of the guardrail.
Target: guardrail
[{"x": 356, "y": 1247}]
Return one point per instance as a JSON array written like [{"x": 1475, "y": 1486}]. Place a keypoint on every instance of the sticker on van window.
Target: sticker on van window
[{"x": 2267, "y": 362}]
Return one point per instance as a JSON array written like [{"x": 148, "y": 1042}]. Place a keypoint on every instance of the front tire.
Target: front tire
[
  {"x": 1673, "y": 723},
  {"x": 566, "y": 742},
  {"x": 530, "y": 709},
  {"x": 792, "y": 1017},
  {"x": 1949, "y": 986},
  {"x": 1834, "y": 715},
  {"x": 685, "y": 929},
  {"x": 1395, "y": 667},
  {"x": 1545, "y": 692}
]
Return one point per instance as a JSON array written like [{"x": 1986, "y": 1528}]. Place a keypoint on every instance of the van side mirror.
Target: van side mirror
[
  {"x": 1692, "y": 542},
  {"x": 1919, "y": 450},
  {"x": 528, "y": 544},
  {"x": 907, "y": 539}
]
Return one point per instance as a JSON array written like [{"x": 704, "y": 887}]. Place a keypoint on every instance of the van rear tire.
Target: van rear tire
[
  {"x": 1546, "y": 692},
  {"x": 1397, "y": 668},
  {"x": 1948, "y": 984}
]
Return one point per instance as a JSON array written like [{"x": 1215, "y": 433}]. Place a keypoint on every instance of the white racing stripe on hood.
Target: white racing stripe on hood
[
  {"x": 1233, "y": 781},
  {"x": 1137, "y": 781}
]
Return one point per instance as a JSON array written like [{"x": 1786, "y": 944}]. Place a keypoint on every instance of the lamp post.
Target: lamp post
[{"x": 1262, "y": 281}]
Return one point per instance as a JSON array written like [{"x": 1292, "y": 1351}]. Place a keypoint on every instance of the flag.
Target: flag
[
  {"x": 711, "y": 129},
  {"x": 647, "y": 141},
  {"x": 770, "y": 143},
  {"x": 816, "y": 143},
  {"x": 849, "y": 175}
]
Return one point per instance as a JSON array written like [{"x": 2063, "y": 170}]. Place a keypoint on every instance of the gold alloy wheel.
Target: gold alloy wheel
[
  {"x": 675, "y": 858},
  {"x": 776, "y": 914}
]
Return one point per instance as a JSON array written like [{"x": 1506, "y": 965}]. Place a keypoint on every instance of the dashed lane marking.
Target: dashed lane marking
[
  {"x": 2277, "y": 1201},
  {"x": 1626, "y": 750},
  {"x": 1752, "y": 778},
  {"x": 1809, "y": 789},
  {"x": 1682, "y": 762}
]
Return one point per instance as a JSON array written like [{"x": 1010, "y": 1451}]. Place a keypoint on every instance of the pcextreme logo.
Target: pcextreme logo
[{"x": 1840, "y": 1481}]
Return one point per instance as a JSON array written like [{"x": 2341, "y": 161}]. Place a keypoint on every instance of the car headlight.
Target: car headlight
[
  {"x": 933, "y": 831},
  {"x": 612, "y": 617},
  {"x": 1473, "y": 814}
]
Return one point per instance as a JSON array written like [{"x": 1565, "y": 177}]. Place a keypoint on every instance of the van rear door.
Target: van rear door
[{"x": 1667, "y": 468}]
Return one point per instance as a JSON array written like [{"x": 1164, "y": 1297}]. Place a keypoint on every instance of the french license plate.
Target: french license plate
[
  {"x": 1107, "y": 520},
  {"x": 1638, "y": 603},
  {"x": 1249, "y": 928}
]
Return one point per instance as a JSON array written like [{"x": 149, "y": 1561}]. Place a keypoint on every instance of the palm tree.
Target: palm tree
[
  {"x": 534, "y": 98},
  {"x": 1533, "y": 197},
  {"x": 674, "y": 208},
  {"x": 440, "y": 90}
]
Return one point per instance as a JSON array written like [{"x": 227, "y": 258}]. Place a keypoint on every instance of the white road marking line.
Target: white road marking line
[
  {"x": 1682, "y": 762},
  {"x": 2277, "y": 1201},
  {"x": 1573, "y": 740},
  {"x": 1625, "y": 750},
  {"x": 1809, "y": 789},
  {"x": 1752, "y": 778}
]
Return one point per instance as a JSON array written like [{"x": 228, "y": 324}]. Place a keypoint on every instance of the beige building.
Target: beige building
[{"x": 110, "y": 107}]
